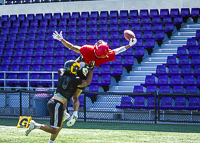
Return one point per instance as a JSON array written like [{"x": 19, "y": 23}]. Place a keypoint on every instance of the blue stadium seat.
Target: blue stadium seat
[
  {"x": 39, "y": 16},
  {"x": 173, "y": 69},
  {"x": 27, "y": 61},
  {"x": 62, "y": 28},
  {"x": 3, "y": 37},
  {"x": 196, "y": 69},
  {"x": 102, "y": 20},
  {"x": 103, "y": 35},
  {"x": 124, "y": 27},
  {"x": 48, "y": 16},
  {"x": 191, "y": 89},
  {"x": 94, "y": 79},
  {"x": 21, "y": 17},
  {"x": 134, "y": 19},
  {"x": 37, "y": 61},
  {"x": 159, "y": 35},
  {"x": 150, "y": 43},
  {"x": 183, "y": 60},
  {"x": 12, "y": 76},
  {"x": 36, "y": 68},
  {"x": 8, "y": 52},
  {"x": 46, "y": 77},
  {"x": 193, "y": 104},
  {"x": 180, "y": 103},
  {"x": 133, "y": 13},
  {"x": 113, "y": 13},
  {"x": 125, "y": 103},
  {"x": 4, "y": 68},
  {"x": 181, "y": 51},
  {"x": 186, "y": 69},
  {"x": 7, "y": 24},
  {"x": 145, "y": 19},
  {"x": 6, "y": 60},
  {"x": 194, "y": 51},
  {"x": 49, "y": 52},
  {"x": 82, "y": 21},
  {"x": 138, "y": 103},
  {"x": 117, "y": 61},
  {"x": 178, "y": 19},
  {"x": 162, "y": 80},
  {"x": 25, "y": 23},
  {"x": 14, "y": 68},
  {"x": 185, "y": 12},
  {"x": 169, "y": 27},
  {"x": 71, "y": 36},
  {"x": 66, "y": 15},
  {"x": 17, "y": 61},
  {"x": 48, "y": 60},
  {"x": 128, "y": 61},
  {"x": 51, "y": 29},
  {"x": 153, "y": 13},
  {"x": 148, "y": 34},
  {"x": 14, "y": 30},
  {"x": 59, "y": 60},
  {"x": 62, "y": 22},
  {"x": 104, "y": 69},
  {"x": 82, "y": 35},
  {"x": 156, "y": 19},
  {"x": 43, "y": 22},
  {"x": 92, "y": 88},
  {"x": 161, "y": 69},
  {"x": 188, "y": 80},
  {"x": 12, "y": 37},
  {"x": 164, "y": 12},
  {"x": 103, "y": 27},
  {"x": 175, "y": 80},
  {"x": 138, "y": 89},
  {"x": 157, "y": 27},
  {"x": 32, "y": 30},
  {"x": 151, "y": 89},
  {"x": 60, "y": 52},
  {"x": 117, "y": 70},
  {"x": 144, "y": 13},
  {"x": 174, "y": 12},
  {"x": 38, "y": 52},
  {"x": 28, "y": 52},
  {"x": 13, "y": 17},
  {"x": 35, "y": 77},
  {"x": 48, "y": 68},
  {"x": 94, "y": 14},
  {"x": 92, "y": 35},
  {"x": 113, "y": 20},
  {"x": 84, "y": 15},
  {"x": 10, "y": 44},
  {"x": 19, "y": 44},
  {"x": 75, "y": 15},
  {"x": 114, "y": 43},
  {"x": 105, "y": 80},
  {"x": 23, "y": 30},
  {"x": 41, "y": 36},
  {"x": 178, "y": 89},
  {"x": 57, "y": 16},
  {"x": 171, "y": 60},
  {"x": 72, "y": 21},
  {"x": 104, "y": 14},
  {"x": 123, "y": 20},
  {"x": 92, "y": 21},
  {"x": 5, "y": 31},
  {"x": 16, "y": 23},
  {"x": 53, "y": 22},
  {"x": 195, "y": 60},
  {"x": 39, "y": 44}
]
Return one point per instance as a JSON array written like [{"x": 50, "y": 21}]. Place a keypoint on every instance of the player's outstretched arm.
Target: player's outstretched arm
[{"x": 69, "y": 45}]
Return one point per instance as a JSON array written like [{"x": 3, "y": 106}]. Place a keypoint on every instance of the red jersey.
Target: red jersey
[{"x": 88, "y": 55}]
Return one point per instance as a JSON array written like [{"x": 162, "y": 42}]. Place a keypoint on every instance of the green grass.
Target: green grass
[{"x": 92, "y": 132}]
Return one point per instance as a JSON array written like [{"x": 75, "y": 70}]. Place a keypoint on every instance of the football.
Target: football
[{"x": 128, "y": 34}]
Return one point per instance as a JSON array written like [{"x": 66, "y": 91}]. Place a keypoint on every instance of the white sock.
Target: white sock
[
  {"x": 75, "y": 113},
  {"x": 50, "y": 141},
  {"x": 38, "y": 125}
]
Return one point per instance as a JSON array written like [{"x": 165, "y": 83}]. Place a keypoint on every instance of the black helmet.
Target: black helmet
[{"x": 71, "y": 67}]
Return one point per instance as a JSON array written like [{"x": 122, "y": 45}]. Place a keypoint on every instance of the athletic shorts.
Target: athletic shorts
[{"x": 55, "y": 109}]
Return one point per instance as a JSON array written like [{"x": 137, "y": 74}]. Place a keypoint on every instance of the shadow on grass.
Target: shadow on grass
[{"x": 118, "y": 126}]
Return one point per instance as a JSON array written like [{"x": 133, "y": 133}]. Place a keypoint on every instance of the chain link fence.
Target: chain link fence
[{"x": 107, "y": 106}]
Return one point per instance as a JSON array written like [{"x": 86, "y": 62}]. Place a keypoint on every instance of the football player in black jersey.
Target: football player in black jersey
[{"x": 68, "y": 82}]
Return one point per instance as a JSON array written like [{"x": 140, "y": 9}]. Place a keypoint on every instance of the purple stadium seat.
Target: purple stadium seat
[
  {"x": 113, "y": 20},
  {"x": 39, "y": 16},
  {"x": 60, "y": 52},
  {"x": 19, "y": 44},
  {"x": 82, "y": 21},
  {"x": 156, "y": 19},
  {"x": 105, "y": 80},
  {"x": 62, "y": 28},
  {"x": 150, "y": 43},
  {"x": 173, "y": 69},
  {"x": 71, "y": 36},
  {"x": 124, "y": 27},
  {"x": 48, "y": 60},
  {"x": 5, "y": 31},
  {"x": 28, "y": 52},
  {"x": 31, "y": 37},
  {"x": 32, "y": 30},
  {"x": 21, "y": 17},
  {"x": 162, "y": 80},
  {"x": 14, "y": 68},
  {"x": 23, "y": 30},
  {"x": 174, "y": 12},
  {"x": 92, "y": 21},
  {"x": 4, "y": 68},
  {"x": 181, "y": 51},
  {"x": 2, "y": 44},
  {"x": 193, "y": 103},
  {"x": 144, "y": 12},
  {"x": 146, "y": 26},
  {"x": 39, "y": 52},
  {"x": 25, "y": 23},
  {"x": 114, "y": 43},
  {"x": 169, "y": 27},
  {"x": 12, "y": 76},
  {"x": 92, "y": 35},
  {"x": 14, "y": 30},
  {"x": 180, "y": 103},
  {"x": 123, "y": 20},
  {"x": 139, "y": 43},
  {"x": 145, "y": 19},
  {"x": 188, "y": 80},
  {"x": 3, "y": 37},
  {"x": 39, "y": 44},
  {"x": 17, "y": 61},
  {"x": 194, "y": 12},
  {"x": 123, "y": 13},
  {"x": 139, "y": 52},
  {"x": 66, "y": 15},
  {"x": 30, "y": 17},
  {"x": 183, "y": 60},
  {"x": 191, "y": 42},
  {"x": 72, "y": 28},
  {"x": 27, "y": 61},
  {"x": 34, "y": 77},
  {"x": 125, "y": 103},
  {"x": 12, "y": 37},
  {"x": 51, "y": 29},
  {"x": 57, "y": 16},
  {"x": 195, "y": 60},
  {"x": 75, "y": 15},
  {"x": 46, "y": 77},
  {"x": 178, "y": 89},
  {"x": 114, "y": 35},
  {"x": 171, "y": 60},
  {"x": 128, "y": 52},
  {"x": 59, "y": 60},
  {"x": 138, "y": 33},
  {"x": 138, "y": 89},
  {"x": 6, "y": 60},
  {"x": 41, "y": 36},
  {"x": 43, "y": 22},
  {"x": 117, "y": 61},
  {"x": 94, "y": 14},
  {"x": 16, "y": 23},
  {"x": 84, "y": 15},
  {"x": 4, "y": 18},
  {"x": 153, "y": 13},
  {"x": 151, "y": 89},
  {"x": 82, "y": 35},
  {"x": 175, "y": 80},
  {"x": 150, "y": 80},
  {"x": 92, "y": 28},
  {"x": 105, "y": 69},
  {"x": 50, "y": 44},
  {"x": 49, "y": 52},
  {"x": 157, "y": 27},
  {"x": 62, "y": 22},
  {"x": 13, "y": 17},
  {"x": 193, "y": 51},
  {"x": 138, "y": 103},
  {"x": 117, "y": 70},
  {"x": 34, "y": 22},
  {"x": 133, "y": 13},
  {"x": 114, "y": 13},
  {"x": 148, "y": 34},
  {"x": 72, "y": 21},
  {"x": 7, "y": 24},
  {"x": 196, "y": 69},
  {"x": 48, "y": 68},
  {"x": 10, "y": 44},
  {"x": 94, "y": 79},
  {"x": 102, "y": 20},
  {"x": 48, "y": 16},
  {"x": 30, "y": 44},
  {"x": 134, "y": 19},
  {"x": 178, "y": 19},
  {"x": 53, "y": 22},
  {"x": 185, "y": 12},
  {"x": 164, "y": 12},
  {"x": 92, "y": 88},
  {"x": 8, "y": 52},
  {"x": 191, "y": 89},
  {"x": 37, "y": 60},
  {"x": 167, "y": 19},
  {"x": 81, "y": 42},
  {"x": 161, "y": 69},
  {"x": 159, "y": 35},
  {"x": 49, "y": 37},
  {"x": 103, "y": 27},
  {"x": 186, "y": 69},
  {"x": 166, "y": 103},
  {"x": 36, "y": 68}
]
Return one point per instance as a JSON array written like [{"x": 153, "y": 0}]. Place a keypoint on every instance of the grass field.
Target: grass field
[{"x": 92, "y": 132}]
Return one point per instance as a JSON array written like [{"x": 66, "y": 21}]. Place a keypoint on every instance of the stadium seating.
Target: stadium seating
[{"x": 125, "y": 103}]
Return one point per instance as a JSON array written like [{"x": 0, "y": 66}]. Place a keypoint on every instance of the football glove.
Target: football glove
[
  {"x": 91, "y": 65},
  {"x": 65, "y": 115},
  {"x": 57, "y": 36},
  {"x": 72, "y": 120},
  {"x": 132, "y": 41}
]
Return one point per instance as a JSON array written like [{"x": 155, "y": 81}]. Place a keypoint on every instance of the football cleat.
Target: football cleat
[
  {"x": 72, "y": 120},
  {"x": 31, "y": 127},
  {"x": 65, "y": 115}
]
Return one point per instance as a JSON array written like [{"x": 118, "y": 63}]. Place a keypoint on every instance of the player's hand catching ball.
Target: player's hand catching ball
[
  {"x": 132, "y": 41},
  {"x": 57, "y": 36},
  {"x": 92, "y": 65}
]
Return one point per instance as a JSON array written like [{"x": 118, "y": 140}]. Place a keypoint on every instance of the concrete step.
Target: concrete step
[
  {"x": 175, "y": 42},
  {"x": 131, "y": 78},
  {"x": 189, "y": 29},
  {"x": 144, "y": 68},
  {"x": 165, "y": 50},
  {"x": 171, "y": 45},
  {"x": 184, "y": 34},
  {"x": 152, "y": 63},
  {"x": 128, "y": 83},
  {"x": 162, "y": 54},
  {"x": 155, "y": 59},
  {"x": 109, "y": 98},
  {"x": 191, "y": 26},
  {"x": 180, "y": 37},
  {"x": 121, "y": 88},
  {"x": 141, "y": 73}
]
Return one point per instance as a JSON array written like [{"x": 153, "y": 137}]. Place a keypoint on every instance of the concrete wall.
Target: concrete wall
[{"x": 101, "y": 5}]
